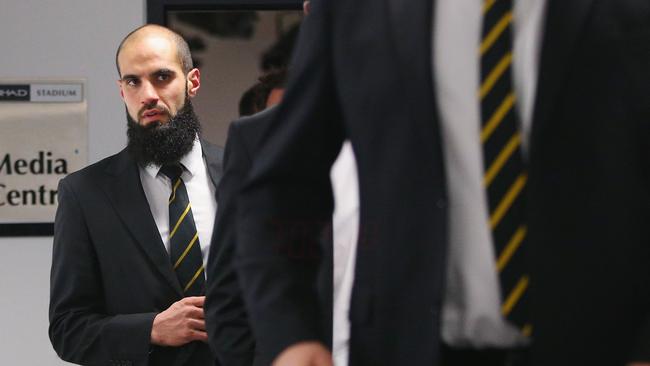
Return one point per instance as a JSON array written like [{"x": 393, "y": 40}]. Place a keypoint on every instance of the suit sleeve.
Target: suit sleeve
[
  {"x": 287, "y": 201},
  {"x": 641, "y": 349},
  {"x": 80, "y": 329},
  {"x": 229, "y": 332}
]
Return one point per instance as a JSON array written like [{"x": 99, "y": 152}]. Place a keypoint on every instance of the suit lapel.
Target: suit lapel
[
  {"x": 564, "y": 22},
  {"x": 410, "y": 35},
  {"x": 214, "y": 161},
  {"x": 124, "y": 190},
  {"x": 410, "y": 24}
]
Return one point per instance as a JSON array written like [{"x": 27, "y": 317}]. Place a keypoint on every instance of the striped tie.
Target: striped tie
[
  {"x": 505, "y": 175},
  {"x": 185, "y": 251}
]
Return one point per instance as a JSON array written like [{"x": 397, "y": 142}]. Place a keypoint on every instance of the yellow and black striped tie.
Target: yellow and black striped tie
[
  {"x": 185, "y": 251},
  {"x": 504, "y": 172}
]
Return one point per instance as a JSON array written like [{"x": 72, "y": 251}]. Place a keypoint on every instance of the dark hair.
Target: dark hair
[
  {"x": 254, "y": 99},
  {"x": 182, "y": 49},
  {"x": 279, "y": 54}
]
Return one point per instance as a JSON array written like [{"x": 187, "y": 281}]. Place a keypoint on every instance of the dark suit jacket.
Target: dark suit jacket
[
  {"x": 230, "y": 333},
  {"x": 110, "y": 272},
  {"x": 363, "y": 70}
]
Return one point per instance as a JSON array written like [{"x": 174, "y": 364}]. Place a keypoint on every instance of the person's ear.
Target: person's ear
[
  {"x": 193, "y": 82},
  {"x": 119, "y": 83}
]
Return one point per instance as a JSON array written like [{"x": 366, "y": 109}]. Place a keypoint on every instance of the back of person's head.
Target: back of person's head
[
  {"x": 255, "y": 98},
  {"x": 248, "y": 103}
]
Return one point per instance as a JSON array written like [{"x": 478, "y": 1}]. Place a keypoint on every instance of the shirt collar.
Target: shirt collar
[{"x": 191, "y": 161}]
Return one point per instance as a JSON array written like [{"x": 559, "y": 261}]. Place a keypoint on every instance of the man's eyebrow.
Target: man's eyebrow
[
  {"x": 128, "y": 77},
  {"x": 163, "y": 72}
]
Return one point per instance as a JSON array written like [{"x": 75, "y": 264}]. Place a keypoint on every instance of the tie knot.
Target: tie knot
[{"x": 172, "y": 171}]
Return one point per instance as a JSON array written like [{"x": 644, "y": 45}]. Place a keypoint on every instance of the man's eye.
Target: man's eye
[
  {"x": 163, "y": 77},
  {"x": 131, "y": 82}
]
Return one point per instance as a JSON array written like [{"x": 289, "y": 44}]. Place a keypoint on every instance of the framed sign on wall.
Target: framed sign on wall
[{"x": 44, "y": 138}]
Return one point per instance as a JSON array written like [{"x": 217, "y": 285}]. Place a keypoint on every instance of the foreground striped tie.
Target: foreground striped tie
[
  {"x": 185, "y": 251},
  {"x": 505, "y": 176}
]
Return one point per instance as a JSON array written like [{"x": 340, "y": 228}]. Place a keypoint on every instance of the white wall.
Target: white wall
[{"x": 56, "y": 39}]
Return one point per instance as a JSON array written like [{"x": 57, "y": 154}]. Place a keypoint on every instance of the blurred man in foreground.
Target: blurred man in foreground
[{"x": 503, "y": 182}]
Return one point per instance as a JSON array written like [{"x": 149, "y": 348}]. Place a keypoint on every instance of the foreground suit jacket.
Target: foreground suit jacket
[
  {"x": 229, "y": 330},
  {"x": 363, "y": 70},
  {"x": 110, "y": 272}
]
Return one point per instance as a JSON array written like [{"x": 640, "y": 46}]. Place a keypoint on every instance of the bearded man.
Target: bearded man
[{"x": 132, "y": 232}]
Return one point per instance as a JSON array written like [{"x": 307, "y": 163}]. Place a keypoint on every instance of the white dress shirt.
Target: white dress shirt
[
  {"x": 201, "y": 192},
  {"x": 471, "y": 315},
  {"x": 345, "y": 233}
]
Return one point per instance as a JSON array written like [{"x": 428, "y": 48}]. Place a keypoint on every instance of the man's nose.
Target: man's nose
[{"x": 149, "y": 94}]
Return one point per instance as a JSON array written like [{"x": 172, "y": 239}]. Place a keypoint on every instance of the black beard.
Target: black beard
[{"x": 163, "y": 143}]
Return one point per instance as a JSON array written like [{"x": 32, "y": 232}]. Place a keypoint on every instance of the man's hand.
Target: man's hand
[
  {"x": 304, "y": 354},
  {"x": 181, "y": 323},
  {"x": 638, "y": 364}
]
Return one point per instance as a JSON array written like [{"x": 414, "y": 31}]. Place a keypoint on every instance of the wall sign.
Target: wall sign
[{"x": 44, "y": 138}]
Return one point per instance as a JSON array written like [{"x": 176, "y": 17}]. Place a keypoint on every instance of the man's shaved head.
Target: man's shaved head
[{"x": 182, "y": 49}]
